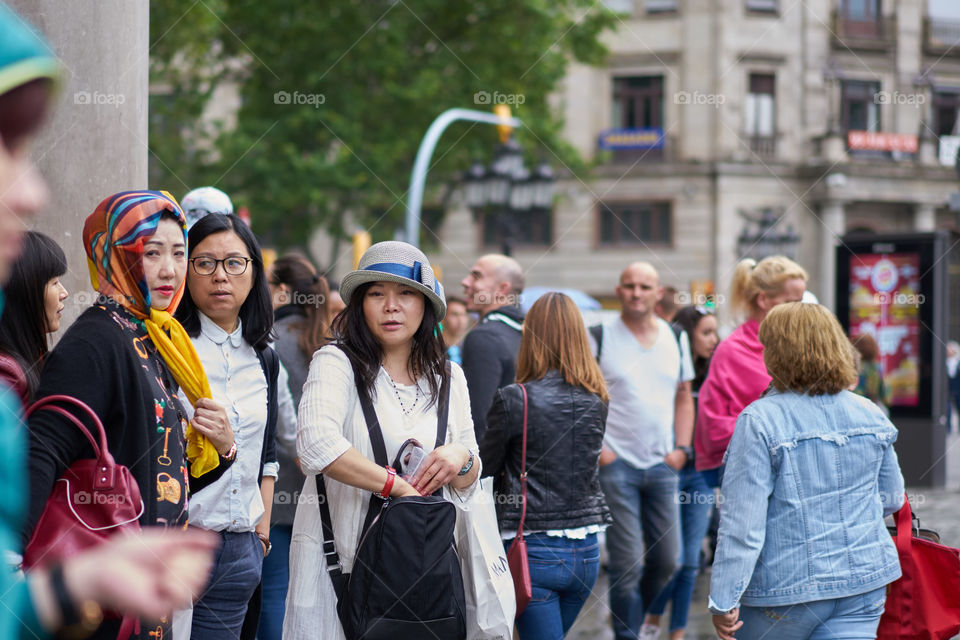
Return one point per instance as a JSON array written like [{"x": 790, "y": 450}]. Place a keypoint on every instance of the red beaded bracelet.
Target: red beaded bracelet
[{"x": 388, "y": 485}]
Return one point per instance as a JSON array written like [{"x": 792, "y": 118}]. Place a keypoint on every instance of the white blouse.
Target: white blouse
[
  {"x": 330, "y": 422},
  {"x": 233, "y": 502}
]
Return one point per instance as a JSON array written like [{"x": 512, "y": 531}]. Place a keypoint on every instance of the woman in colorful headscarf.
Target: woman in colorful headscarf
[{"x": 125, "y": 357}]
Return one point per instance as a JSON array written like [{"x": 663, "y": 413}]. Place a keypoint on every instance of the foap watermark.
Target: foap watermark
[
  {"x": 899, "y": 299},
  {"x": 485, "y": 97},
  {"x": 698, "y": 98},
  {"x": 97, "y": 98},
  {"x": 898, "y": 97},
  {"x": 300, "y": 299},
  {"x": 98, "y": 497},
  {"x": 686, "y": 298},
  {"x": 699, "y": 497},
  {"x": 296, "y": 497},
  {"x": 486, "y": 298},
  {"x": 298, "y": 98}
]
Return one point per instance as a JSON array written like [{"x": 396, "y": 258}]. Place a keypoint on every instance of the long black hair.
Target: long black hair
[
  {"x": 427, "y": 355},
  {"x": 23, "y": 325},
  {"x": 688, "y": 318},
  {"x": 256, "y": 313}
]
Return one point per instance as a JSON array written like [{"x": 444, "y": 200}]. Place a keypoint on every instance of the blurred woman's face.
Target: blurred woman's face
[
  {"x": 792, "y": 291},
  {"x": 705, "y": 337},
  {"x": 22, "y": 193},
  {"x": 164, "y": 263}
]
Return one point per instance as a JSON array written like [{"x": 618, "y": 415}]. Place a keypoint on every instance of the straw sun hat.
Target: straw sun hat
[{"x": 396, "y": 262}]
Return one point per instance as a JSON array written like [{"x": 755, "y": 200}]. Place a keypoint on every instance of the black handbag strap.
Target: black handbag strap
[
  {"x": 523, "y": 467},
  {"x": 334, "y": 566}
]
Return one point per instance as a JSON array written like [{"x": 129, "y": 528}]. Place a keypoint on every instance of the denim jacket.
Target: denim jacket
[{"x": 807, "y": 484}]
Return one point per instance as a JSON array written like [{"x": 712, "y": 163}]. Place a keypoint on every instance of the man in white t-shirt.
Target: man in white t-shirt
[{"x": 648, "y": 369}]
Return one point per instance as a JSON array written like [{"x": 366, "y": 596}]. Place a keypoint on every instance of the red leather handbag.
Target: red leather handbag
[
  {"x": 93, "y": 499},
  {"x": 517, "y": 554},
  {"x": 923, "y": 604}
]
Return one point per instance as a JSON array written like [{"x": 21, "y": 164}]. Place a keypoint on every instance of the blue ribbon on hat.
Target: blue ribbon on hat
[{"x": 414, "y": 273}]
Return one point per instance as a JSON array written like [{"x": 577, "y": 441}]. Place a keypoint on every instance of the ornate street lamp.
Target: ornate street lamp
[
  {"x": 759, "y": 237},
  {"x": 506, "y": 190}
]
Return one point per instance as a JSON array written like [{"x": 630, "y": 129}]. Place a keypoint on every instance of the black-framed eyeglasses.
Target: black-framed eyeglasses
[{"x": 232, "y": 266}]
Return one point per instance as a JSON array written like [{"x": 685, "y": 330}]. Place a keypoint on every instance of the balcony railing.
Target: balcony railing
[
  {"x": 941, "y": 37},
  {"x": 876, "y": 34},
  {"x": 764, "y": 146}
]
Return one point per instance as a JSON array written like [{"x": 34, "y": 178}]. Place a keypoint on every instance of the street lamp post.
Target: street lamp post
[
  {"x": 759, "y": 237},
  {"x": 507, "y": 190}
]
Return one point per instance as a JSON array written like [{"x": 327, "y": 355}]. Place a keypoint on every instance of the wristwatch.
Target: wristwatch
[
  {"x": 266, "y": 542},
  {"x": 466, "y": 468},
  {"x": 687, "y": 450}
]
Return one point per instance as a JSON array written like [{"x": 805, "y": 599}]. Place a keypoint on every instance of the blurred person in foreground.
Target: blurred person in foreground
[
  {"x": 737, "y": 376},
  {"x": 696, "y": 497},
  {"x": 811, "y": 474},
  {"x": 147, "y": 575},
  {"x": 565, "y": 508}
]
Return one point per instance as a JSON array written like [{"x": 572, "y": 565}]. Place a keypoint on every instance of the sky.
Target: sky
[{"x": 945, "y": 8}]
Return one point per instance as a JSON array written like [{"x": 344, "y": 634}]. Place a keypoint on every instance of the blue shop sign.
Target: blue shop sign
[{"x": 651, "y": 138}]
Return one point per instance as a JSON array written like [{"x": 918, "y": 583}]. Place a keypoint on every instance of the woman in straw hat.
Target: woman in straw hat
[{"x": 387, "y": 343}]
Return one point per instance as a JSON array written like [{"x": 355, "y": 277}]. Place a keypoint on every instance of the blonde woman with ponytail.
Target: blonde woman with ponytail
[{"x": 737, "y": 374}]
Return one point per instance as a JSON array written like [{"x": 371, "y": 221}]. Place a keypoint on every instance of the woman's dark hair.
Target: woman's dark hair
[
  {"x": 309, "y": 291},
  {"x": 256, "y": 313},
  {"x": 22, "y": 111},
  {"x": 23, "y": 325},
  {"x": 427, "y": 356},
  {"x": 688, "y": 318}
]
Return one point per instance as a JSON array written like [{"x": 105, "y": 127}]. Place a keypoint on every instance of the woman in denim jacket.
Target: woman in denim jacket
[{"x": 810, "y": 474}]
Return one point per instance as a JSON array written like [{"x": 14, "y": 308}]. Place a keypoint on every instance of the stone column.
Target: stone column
[
  {"x": 924, "y": 217},
  {"x": 833, "y": 223},
  {"x": 95, "y": 142}
]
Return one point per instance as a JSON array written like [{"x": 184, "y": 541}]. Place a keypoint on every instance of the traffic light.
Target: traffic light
[{"x": 361, "y": 242}]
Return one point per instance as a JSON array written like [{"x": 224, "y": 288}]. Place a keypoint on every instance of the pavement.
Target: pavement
[{"x": 938, "y": 509}]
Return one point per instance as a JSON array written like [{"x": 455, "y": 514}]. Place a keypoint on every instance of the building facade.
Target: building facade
[{"x": 829, "y": 115}]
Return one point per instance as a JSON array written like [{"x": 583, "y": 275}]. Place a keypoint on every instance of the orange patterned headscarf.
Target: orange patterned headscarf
[{"x": 113, "y": 238}]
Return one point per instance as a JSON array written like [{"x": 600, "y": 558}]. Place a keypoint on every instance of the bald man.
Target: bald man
[
  {"x": 492, "y": 289},
  {"x": 648, "y": 370}
]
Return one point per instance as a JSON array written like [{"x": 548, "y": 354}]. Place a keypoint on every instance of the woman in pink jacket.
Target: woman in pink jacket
[{"x": 737, "y": 374}]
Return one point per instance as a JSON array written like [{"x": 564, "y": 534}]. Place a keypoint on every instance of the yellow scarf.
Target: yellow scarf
[{"x": 182, "y": 360}]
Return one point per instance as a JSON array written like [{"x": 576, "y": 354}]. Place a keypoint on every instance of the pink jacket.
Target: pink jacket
[{"x": 737, "y": 377}]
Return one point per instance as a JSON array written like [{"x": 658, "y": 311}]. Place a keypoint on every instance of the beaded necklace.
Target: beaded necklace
[{"x": 396, "y": 390}]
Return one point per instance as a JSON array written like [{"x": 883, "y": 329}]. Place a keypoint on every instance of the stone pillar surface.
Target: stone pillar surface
[
  {"x": 833, "y": 223},
  {"x": 95, "y": 140}
]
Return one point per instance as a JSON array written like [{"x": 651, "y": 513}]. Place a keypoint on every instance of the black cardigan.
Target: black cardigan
[{"x": 97, "y": 363}]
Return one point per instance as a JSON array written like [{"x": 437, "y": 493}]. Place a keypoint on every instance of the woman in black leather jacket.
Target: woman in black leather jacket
[{"x": 567, "y": 414}]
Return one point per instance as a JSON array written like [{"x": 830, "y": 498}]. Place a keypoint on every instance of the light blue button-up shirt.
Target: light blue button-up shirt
[
  {"x": 233, "y": 502},
  {"x": 807, "y": 484}
]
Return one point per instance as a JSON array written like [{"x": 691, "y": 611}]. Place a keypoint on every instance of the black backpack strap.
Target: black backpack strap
[
  {"x": 597, "y": 332},
  {"x": 334, "y": 566}
]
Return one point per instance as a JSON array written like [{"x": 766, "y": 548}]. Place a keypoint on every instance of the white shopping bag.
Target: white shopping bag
[{"x": 487, "y": 583}]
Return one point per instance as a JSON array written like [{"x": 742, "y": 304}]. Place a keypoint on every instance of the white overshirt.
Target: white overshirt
[
  {"x": 331, "y": 421},
  {"x": 642, "y": 383},
  {"x": 233, "y": 502}
]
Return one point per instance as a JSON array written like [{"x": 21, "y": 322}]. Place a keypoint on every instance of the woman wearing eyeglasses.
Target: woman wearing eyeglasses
[{"x": 229, "y": 317}]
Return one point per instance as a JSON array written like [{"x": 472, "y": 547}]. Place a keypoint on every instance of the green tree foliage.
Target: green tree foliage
[{"x": 336, "y": 96}]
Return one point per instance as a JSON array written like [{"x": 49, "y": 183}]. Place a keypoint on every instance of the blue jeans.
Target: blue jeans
[
  {"x": 276, "y": 576},
  {"x": 562, "y": 573},
  {"x": 696, "y": 501},
  {"x": 643, "y": 542},
  {"x": 219, "y": 613},
  {"x": 851, "y": 618}
]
